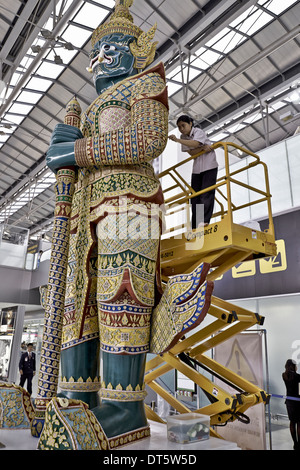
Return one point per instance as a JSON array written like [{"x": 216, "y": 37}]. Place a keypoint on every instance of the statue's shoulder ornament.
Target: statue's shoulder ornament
[{"x": 150, "y": 84}]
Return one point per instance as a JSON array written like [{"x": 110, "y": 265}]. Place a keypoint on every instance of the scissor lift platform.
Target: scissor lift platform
[{"x": 223, "y": 244}]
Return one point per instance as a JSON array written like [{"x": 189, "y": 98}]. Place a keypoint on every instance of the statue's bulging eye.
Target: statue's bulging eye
[{"x": 108, "y": 47}]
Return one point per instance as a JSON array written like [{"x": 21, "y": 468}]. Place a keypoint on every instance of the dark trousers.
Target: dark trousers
[
  {"x": 201, "y": 181},
  {"x": 27, "y": 377}
]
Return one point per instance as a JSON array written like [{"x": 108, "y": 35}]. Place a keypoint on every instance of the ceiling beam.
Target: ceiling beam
[
  {"x": 58, "y": 28},
  {"x": 255, "y": 59},
  {"x": 206, "y": 23},
  {"x": 265, "y": 91}
]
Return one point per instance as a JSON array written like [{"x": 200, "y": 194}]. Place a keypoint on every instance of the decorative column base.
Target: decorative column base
[
  {"x": 37, "y": 424},
  {"x": 70, "y": 425}
]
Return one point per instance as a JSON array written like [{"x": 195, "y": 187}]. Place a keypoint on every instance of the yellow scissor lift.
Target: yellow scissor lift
[{"x": 223, "y": 244}]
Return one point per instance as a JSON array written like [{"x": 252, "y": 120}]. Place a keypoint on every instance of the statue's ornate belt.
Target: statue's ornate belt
[{"x": 104, "y": 171}]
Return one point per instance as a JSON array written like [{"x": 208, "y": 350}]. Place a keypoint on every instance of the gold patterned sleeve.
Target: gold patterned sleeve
[{"x": 142, "y": 141}]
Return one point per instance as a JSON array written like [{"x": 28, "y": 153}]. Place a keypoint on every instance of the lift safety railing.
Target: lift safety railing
[{"x": 223, "y": 184}]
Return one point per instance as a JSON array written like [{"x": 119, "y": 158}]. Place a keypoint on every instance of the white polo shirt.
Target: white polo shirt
[{"x": 206, "y": 161}]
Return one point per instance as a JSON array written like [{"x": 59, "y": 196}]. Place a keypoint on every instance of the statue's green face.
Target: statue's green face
[{"x": 111, "y": 60}]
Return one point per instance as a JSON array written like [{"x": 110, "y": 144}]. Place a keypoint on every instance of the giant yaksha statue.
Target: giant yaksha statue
[{"x": 114, "y": 300}]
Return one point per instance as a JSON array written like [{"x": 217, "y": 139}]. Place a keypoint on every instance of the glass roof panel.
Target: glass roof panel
[
  {"x": 219, "y": 137},
  {"x": 49, "y": 70},
  {"x": 254, "y": 22},
  {"x": 252, "y": 119},
  {"x": 77, "y": 36},
  {"x": 29, "y": 97},
  {"x": 25, "y": 62},
  {"x": 39, "y": 84},
  {"x": 229, "y": 42},
  {"x": 3, "y": 138},
  {"x": 174, "y": 72},
  {"x": 107, "y": 3},
  {"x": 277, "y": 6},
  {"x": 15, "y": 78},
  {"x": 206, "y": 59},
  {"x": 235, "y": 128},
  {"x": 187, "y": 74},
  {"x": 173, "y": 87},
  {"x": 217, "y": 37},
  {"x": 20, "y": 108},
  {"x": 66, "y": 55},
  {"x": 91, "y": 15},
  {"x": 13, "y": 118}
]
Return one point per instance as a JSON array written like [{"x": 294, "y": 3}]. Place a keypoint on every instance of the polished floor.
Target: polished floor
[{"x": 280, "y": 440}]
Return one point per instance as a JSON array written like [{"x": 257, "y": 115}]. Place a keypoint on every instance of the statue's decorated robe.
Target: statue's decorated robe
[{"x": 113, "y": 273}]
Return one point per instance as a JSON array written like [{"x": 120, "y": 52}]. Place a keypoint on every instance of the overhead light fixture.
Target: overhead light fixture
[
  {"x": 58, "y": 60},
  {"x": 36, "y": 49},
  {"x": 69, "y": 46},
  {"x": 47, "y": 34}
]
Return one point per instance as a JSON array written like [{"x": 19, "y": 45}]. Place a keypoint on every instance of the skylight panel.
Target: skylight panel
[
  {"x": 186, "y": 74},
  {"x": 239, "y": 20},
  {"x": 206, "y": 59},
  {"x": 25, "y": 63},
  {"x": 29, "y": 97},
  {"x": 91, "y": 15},
  {"x": 193, "y": 73},
  {"x": 229, "y": 42},
  {"x": 235, "y": 128},
  {"x": 49, "y": 70},
  {"x": 39, "y": 84},
  {"x": 15, "y": 78},
  {"x": 107, "y": 3},
  {"x": 252, "y": 119},
  {"x": 254, "y": 22},
  {"x": 174, "y": 72},
  {"x": 277, "y": 6},
  {"x": 273, "y": 107},
  {"x": 173, "y": 88},
  {"x": 13, "y": 118},
  {"x": 217, "y": 37},
  {"x": 3, "y": 138},
  {"x": 219, "y": 137},
  {"x": 26, "y": 196},
  {"x": 77, "y": 36},
  {"x": 18, "y": 108}
]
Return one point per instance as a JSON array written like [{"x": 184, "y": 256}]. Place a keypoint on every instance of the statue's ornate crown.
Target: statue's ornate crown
[{"x": 121, "y": 21}]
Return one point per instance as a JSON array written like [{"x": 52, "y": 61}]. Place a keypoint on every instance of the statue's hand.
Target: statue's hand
[
  {"x": 60, "y": 156},
  {"x": 61, "y": 151},
  {"x": 65, "y": 133}
]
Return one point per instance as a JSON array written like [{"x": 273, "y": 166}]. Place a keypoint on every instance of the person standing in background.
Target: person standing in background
[
  {"x": 27, "y": 367},
  {"x": 292, "y": 380}
]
